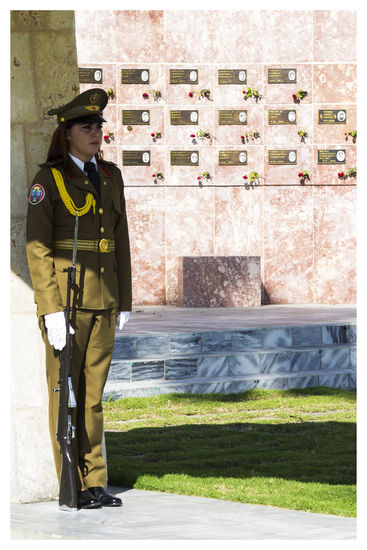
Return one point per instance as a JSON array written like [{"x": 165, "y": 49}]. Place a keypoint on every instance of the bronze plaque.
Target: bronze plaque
[
  {"x": 232, "y": 158},
  {"x": 179, "y": 118},
  {"x": 134, "y": 76},
  {"x": 136, "y": 158},
  {"x": 282, "y": 76},
  {"x": 183, "y": 76},
  {"x": 282, "y": 156},
  {"x": 232, "y": 117},
  {"x": 332, "y": 116},
  {"x": 232, "y": 76},
  {"x": 184, "y": 158},
  {"x": 90, "y": 76},
  {"x": 331, "y": 156},
  {"x": 282, "y": 116},
  {"x": 136, "y": 117}
]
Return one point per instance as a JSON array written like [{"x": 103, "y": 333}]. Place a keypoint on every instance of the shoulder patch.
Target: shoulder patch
[{"x": 36, "y": 194}]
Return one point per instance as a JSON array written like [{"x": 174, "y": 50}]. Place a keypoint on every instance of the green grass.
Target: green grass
[{"x": 293, "y": 449}]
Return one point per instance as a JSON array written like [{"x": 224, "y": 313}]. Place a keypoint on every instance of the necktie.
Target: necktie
[{"x": 93, "y": 175}]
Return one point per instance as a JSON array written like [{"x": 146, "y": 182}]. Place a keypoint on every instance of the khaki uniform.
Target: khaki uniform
[{"x": 103, "y": 287}]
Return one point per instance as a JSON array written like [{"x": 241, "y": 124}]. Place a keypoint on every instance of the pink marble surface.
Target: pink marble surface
[
  {"x": 145, "y": 210},
  {"x": 333, "y": 82},
  {"x": 238, "y": 226},
  {"x": 335, "y": 36},
  {"x": 287, "y": 36},
  {"x": 231, "y": 134},
  {"x": 288, "y": 244},
  {"x": 305, "y": 235},
  {"x": 281, "y": 135},
  {"x": 233, "y": 175},
  {"x": 283, "y": 93},
  {"x": 327, "y": 174},
  {"x": 325, "y": 133},
  {"x": 140, "y": 135},
  {"x": 189, "y": 230},
  {"x": 188, "y": 175},
  {"x": 142, "y": 175},
  {"x": 334, "y": 245},
  {"x": 232, "y": 94},
  {"x": 288, "y": 174}
]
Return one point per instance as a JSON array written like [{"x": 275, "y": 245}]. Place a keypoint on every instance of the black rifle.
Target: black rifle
[{"x": 67, "y": 402}]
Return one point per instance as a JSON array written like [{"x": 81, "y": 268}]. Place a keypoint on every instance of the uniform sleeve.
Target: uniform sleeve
[
  {"x": 39, "y": 244},
  {"x": 122, "y": 254}
]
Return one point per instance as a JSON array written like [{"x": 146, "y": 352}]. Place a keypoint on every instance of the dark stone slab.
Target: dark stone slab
[
  {"x": 219, "y": 281},
  {"x": 147, "y": 370}
]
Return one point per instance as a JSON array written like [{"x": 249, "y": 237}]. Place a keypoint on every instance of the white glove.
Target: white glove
[
  {"x": 122, "y": 318},
  {"x": 56, "y": 329}
]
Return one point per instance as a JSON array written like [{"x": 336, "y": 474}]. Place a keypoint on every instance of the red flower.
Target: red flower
[
  {"x": 152, "y": 134},
  {"x": 192, "y": 135},
  {"x": 245, "y": 177},
  {"x": 145, "y": 95},
  {"x": 294, "y": 96},
  {"x": 341, "y": 174},
  {"x": 190, "y": 94},
  {"x": 199, "y": 177},
  {"x": 300, "y": 175},
  {"x": 153, "y": 175},
  {"x": 242, "y": 137},
  {"x": 106, "y": 136}
]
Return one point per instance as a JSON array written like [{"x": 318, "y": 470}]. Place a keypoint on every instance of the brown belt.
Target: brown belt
[{"x": 94, "y": 245}]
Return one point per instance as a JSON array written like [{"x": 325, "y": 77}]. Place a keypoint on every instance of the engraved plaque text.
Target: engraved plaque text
[
  {"x": 280, "y": 157},
  {"x": 232, "y": 158},
  {"x": 184, "y": 158},
  {"x": 282, "y": 76},
  {"x": 136, "y": 158},
  {"x": 183, "y": 76},
  {"x": 232, "y": 76},
  {"x": 178, "y": 118},
  {"x": 285, "y": 116},
  {"x": 331, "y": 156},
  {"x": 134, "y": 76},
  {"x": 90, "y": 76},
  {"x": 332, "y": 116},
  {"x": 136, "y": 117},
  {"x": 232, "y": 117}
]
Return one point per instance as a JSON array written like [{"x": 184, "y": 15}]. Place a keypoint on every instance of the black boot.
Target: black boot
[
  {"x": 87, "y": 500},
  {"x": 104, "y": 498}
]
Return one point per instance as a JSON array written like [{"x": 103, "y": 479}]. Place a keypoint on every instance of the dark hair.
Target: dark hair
[{"x": 58, "y": 149}]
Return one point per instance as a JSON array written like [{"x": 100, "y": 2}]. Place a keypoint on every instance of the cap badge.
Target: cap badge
[{"x": 94, "y": 98}]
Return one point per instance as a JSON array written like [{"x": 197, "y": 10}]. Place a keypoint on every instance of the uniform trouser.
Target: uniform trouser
[{"x": 92, "y": 347}]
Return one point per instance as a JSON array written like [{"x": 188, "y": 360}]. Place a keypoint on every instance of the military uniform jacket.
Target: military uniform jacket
[{"x": 103, "y": 279}]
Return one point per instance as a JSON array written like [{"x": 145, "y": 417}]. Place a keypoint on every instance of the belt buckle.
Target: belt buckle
[{"x": 103, "y": 245}]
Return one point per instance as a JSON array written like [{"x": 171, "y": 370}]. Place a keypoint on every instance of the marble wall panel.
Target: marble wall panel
[
  {"x": 232, "y": 94},
  {"x": 139, "y": 36},
  {"x": 140, "y": 135},
  {"x": 146, "y": 218},
  {"x": 327, "y": 174},
  {"x": 334, "y": 81},
  {"x": 178, "y": 94},
  {"x": 181, "y": 134},
  {"x": 288, "y": 244},
  {"x": 334, "y": 245},
  {"x": 142, "y": 175},
  {"x": 132, "y": 94},
  {"x": 287, "y": 35},
  {"x": 238, "y": 226},
  {"x": 232, "y": 134},
  {"x": 283, "y": 93},
  {"x": 92, "y": 32},
  {"x": 333, "y": 133},
  {"x": 335, "y": 36},
  {"x": 189, "y": 230},
  {"x": 234, "y": 175},
  {"x": 189, "y": 36},
  {"x": 238, "y": 36},
  {"x": 188, "y": 175},
  {"x": 286, "y": 135},
  {"x": 287, "y": 174}
]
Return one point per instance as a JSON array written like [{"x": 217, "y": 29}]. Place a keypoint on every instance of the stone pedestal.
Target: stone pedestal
[{"x": 220, "y": 281}]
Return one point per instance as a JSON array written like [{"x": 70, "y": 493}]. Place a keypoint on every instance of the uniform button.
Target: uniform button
[
  {"x": 100, "y": 210},
  {"x": 102, "y": 230},
  {"x": 86, "y": 182},
  {"x": 104, "y": 182},
  {"x": 102, "y": 269}
]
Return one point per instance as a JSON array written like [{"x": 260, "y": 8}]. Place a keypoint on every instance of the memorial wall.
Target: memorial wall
[{"x": 236, "y": 135}]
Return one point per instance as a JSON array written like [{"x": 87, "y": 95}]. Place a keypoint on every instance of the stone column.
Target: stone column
[{"x": 44, "y": 74}]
